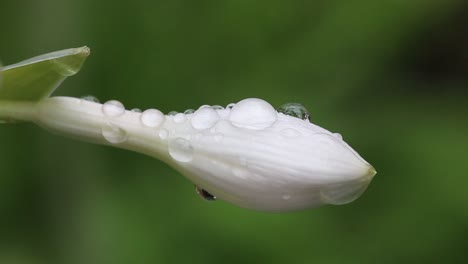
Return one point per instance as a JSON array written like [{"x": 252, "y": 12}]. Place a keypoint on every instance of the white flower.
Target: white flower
[{"x": 249, "y": 155}]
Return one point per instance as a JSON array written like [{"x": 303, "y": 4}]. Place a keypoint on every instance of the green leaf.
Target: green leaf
[{"x": 36, "y": 78}]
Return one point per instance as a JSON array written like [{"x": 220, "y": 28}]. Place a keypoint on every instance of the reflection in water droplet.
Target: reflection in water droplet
[
  {"x": 90, "y": 98},
  {"x": 180, "y": 150},
  {"x": 189, "y": 111},
  {"x": 338, "y": 136},
  {"x": 253, "y": 113},
  {"x": 163, "y": 133},
  {"x": 204, "y": 118},
  {"x": 289, "y": 132},
  {"x": 179, "y": 118},
  {"x": 114, "y": 134},
  {"x": 136, "y": 110},
  {"x": 205, "y": 194},
  {"x": 152, "y": 118},
  {"x": 172, "y": 113},
  {"x": 294, "y": 109},
  {"x": 113, "y": 108}
]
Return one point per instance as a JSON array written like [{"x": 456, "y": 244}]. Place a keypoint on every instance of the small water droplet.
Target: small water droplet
[
  {"x": 338, "y": 136},
  {"x": 289, "y": 132},
  {"x": 113, "y": 108},
  {"x": 181, "y": 150},
  {"x": 114, "y": 134},
  {"x": 172, "y": 113},
  {"x": 136, "y": 110},
  {"x": 294, "y": 109},
  {"x": 163, "y": 133},
  {"x": 218, "y": 137},
  {"x": 152, "y": 118},
  {"x": 204, "y": 118},
  {"x": 230, "y": 106},
  {"x": 189, "y": 111},
  {"x": 205, "y": 194},
  {"x": 90, "y": 98},
  {"x": 179, "y": 118},
  {"x": 243, "y": 161},
  {"x": 241, "y": 173},
  {"x": 217, "y": 107},
  {"x": 286, "y": 196},
  {"x": 253, "y": 113}
]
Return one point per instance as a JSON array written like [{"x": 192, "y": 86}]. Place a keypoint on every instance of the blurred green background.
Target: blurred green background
[{"x": 391, "y": 76}]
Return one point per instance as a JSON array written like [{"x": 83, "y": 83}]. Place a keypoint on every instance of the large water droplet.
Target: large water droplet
[
  {"x": 152, "y": 118},
  {"x": 180, "y": 150},
  {"x": 113, "y": 133},
  {"x": 205, "y": 194},
  {"x": 113, "y": 108},
  {"x": 189, "y": 111},
  {"x": 163, "y": 133},
  {"x": 204, "y": 118},
  {"x": 179, "y": 118},
  {"x": 172, "y": 113},
  {"x": 253, "y": 113},
  {"x": 136, "y": 110},
  {"x": 294, "y": 109},
  {"x": 90, "y": 98}
]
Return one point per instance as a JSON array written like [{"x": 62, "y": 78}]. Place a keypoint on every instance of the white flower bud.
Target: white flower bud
[{"x": 249, "y": 154}]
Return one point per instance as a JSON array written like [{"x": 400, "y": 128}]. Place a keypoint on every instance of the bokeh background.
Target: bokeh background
[{"x": 391, "y": 76}]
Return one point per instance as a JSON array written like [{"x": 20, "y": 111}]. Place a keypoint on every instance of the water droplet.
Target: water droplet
[
  {"x": 289, "y": 132},
  {"x": 113, "y": 133},
  {"x": 218, "y": 137},
  {"x": 286, "y": 196},
  {"x": 163, "y": 133},
  {"x": 204, "y": 118},
  {"x": 253, "y": 113},
  {"x": 90, "y": 98},
  {"x": 241, "y": 173},
  {"x": 152, "y": 118},
  {"x": 294, "y": 109},
  {"x": 136, "y": 110},
  {"x": 217, "y": 107},
  {"x": 205, "y": 194},
  {"x": 180, "y": 150},
  {"x": 230, "y": 106},
  {"x": 113, "y": 108},
  {"x": 172, "y": 113},
  {"x": 189, "y": 111},
  {"x": 179, "y": 118},
  {"x": 338, "y": 136}
]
